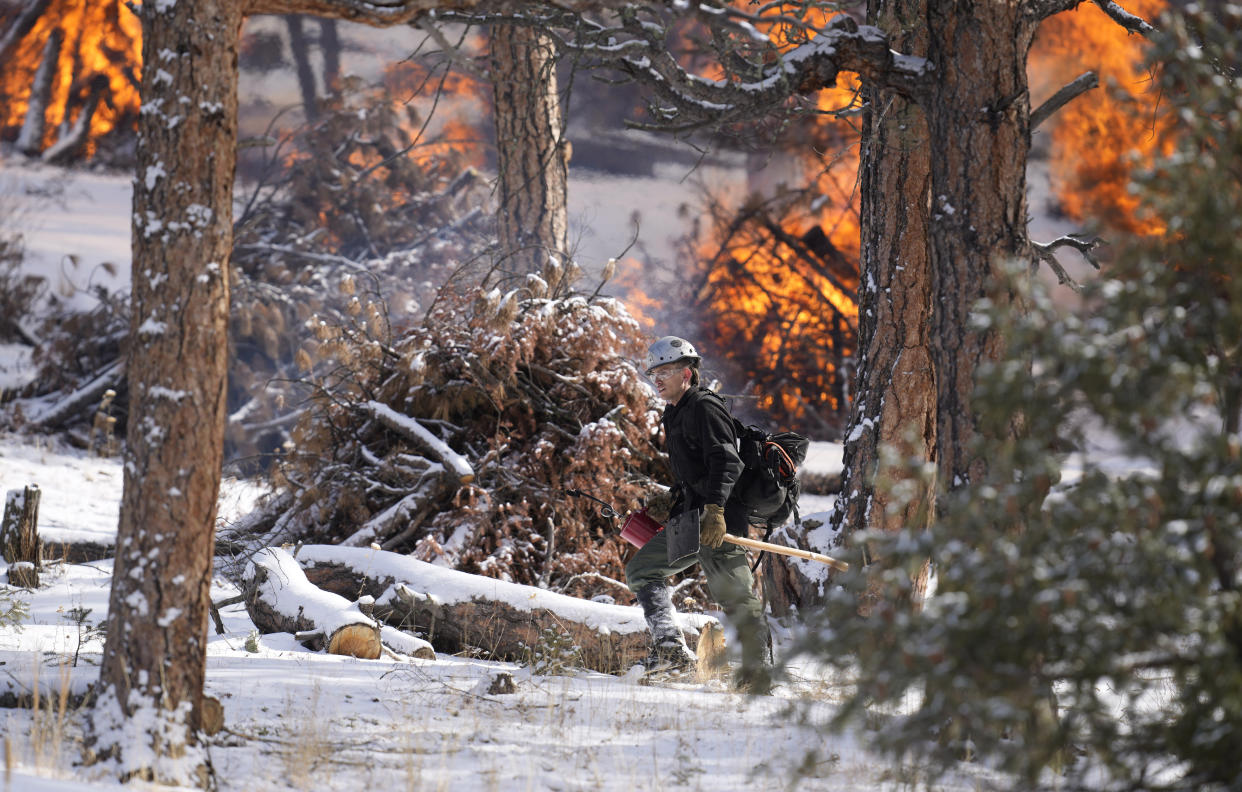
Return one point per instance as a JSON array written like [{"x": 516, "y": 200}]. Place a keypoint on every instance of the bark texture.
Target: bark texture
[
  {"x": 894, "y": 402},
  {"x": 182, "y": 234},
  {"x": 894, "y": 408},
  {"x": 979, "y": 128},
  {"x": 532, "y": 160}
]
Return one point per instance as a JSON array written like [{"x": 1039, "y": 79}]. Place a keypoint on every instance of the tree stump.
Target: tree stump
[{"x": 19, "y": 537}]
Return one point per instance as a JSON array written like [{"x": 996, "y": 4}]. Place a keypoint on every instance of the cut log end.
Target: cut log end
[
  {"x": 357, "y": 640},
  {"x": 710, "y": 651}
]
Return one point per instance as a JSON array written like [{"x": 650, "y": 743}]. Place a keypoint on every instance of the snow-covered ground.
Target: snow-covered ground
[{"x": 297, "y": 719}]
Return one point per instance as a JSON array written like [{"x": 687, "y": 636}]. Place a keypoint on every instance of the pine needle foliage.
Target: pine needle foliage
[
  {"x": 1086, "y": 628},
  {"x": 539, "y": 393}
]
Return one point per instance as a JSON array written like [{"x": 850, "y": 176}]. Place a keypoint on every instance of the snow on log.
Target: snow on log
[
  {"x": 415, "y": 432},
  {"x": 279, "y": 598},
  {"x": 81, "y": 402},
  {"x": 463, "y": 612}
]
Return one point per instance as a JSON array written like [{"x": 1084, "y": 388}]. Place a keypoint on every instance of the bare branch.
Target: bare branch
[
  {"x": 386, "y": 13},
  {"x": 1042, "y": 9},
  {"x": 1083, "y": 83},
  {"x": 1045, "y": 252},
  {"x": 764, "y": 75},
  {"x": 1131, "y": 22}
]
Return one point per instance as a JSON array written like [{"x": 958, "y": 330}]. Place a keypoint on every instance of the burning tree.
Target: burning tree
[{"x": 776, "y": 297}]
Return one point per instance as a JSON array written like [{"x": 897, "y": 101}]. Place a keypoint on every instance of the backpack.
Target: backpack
[{"x": 769, "y": 483}]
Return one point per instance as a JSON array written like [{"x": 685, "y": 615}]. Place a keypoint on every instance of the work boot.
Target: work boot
[
  {"x": 668, "y": 646},
  {"x": 753, "y": 680},
  {"x": 755, "y": 675}
]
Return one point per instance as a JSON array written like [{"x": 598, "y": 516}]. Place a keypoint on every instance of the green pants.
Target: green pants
[{"x": 728, "y": 579}]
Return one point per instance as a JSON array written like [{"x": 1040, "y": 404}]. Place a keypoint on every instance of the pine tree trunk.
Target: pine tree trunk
[
  {"x": 979, "y": 123},
  {"x": 894, "y": 407},
  {"x": 894, "y": 392},
  {"x": 154, "y": 659},
  {"x": 532, "y": 160},
  {"x": 301, "y": 60},
  {"x": 330, "y": 46}
]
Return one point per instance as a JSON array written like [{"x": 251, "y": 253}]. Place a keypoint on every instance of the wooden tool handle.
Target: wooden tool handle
[{"x": 755, "y": 544}]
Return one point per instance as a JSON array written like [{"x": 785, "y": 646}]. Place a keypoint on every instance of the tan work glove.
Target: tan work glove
[
  {"x": 712, "y": 525},
  {"x": 660, "y": 505}
]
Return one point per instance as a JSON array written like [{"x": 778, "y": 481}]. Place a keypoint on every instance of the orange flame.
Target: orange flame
[
  {"x": 101, "y": 38},
  {"x": 782, "y": 290},
  {"x": 1098, "y": 138}
]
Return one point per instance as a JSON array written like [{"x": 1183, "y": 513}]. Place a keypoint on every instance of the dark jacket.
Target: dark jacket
[{"x": 702, "y": 446}]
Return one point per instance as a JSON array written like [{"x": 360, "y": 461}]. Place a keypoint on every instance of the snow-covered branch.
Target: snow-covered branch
[
  {"x": 385, "y": 13},
  {"x": 1046, "y": 253},
  {"x": 1042, "y": 9},
  {"x": 1131, "y": 22},
  {"x": 764, "y": 70},
  {"x": 412, "y": 430}
]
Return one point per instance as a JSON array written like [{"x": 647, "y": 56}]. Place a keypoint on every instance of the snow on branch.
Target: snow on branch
[
  {"x": 1042, "y": 9},
  {"x": 379, "y": 13},
  {"x": 412, "y": 430},
  {"x": 1046, "y": 253},
  {"x": 763, "y": 72},
  {"x": 1131, "y": 22}
]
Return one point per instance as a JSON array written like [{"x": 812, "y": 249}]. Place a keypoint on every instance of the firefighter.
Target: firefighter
[{"x": 702, "y": 449}]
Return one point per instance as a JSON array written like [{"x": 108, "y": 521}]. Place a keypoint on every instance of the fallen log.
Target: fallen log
[
  {"x": 81, "y": 402},
  {"x": 279, "y": 598},
  {"x": 463, "y": 613}
]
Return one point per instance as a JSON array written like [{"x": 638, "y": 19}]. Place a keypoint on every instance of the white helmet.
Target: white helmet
[{"x": 671, "y": 349}]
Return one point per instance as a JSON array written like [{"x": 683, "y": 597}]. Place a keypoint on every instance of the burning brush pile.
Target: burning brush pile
[
  {"x": 70, "y": 88},
  {"x": 342, "y": 198},
  {"x": 456, "y": 442}
]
